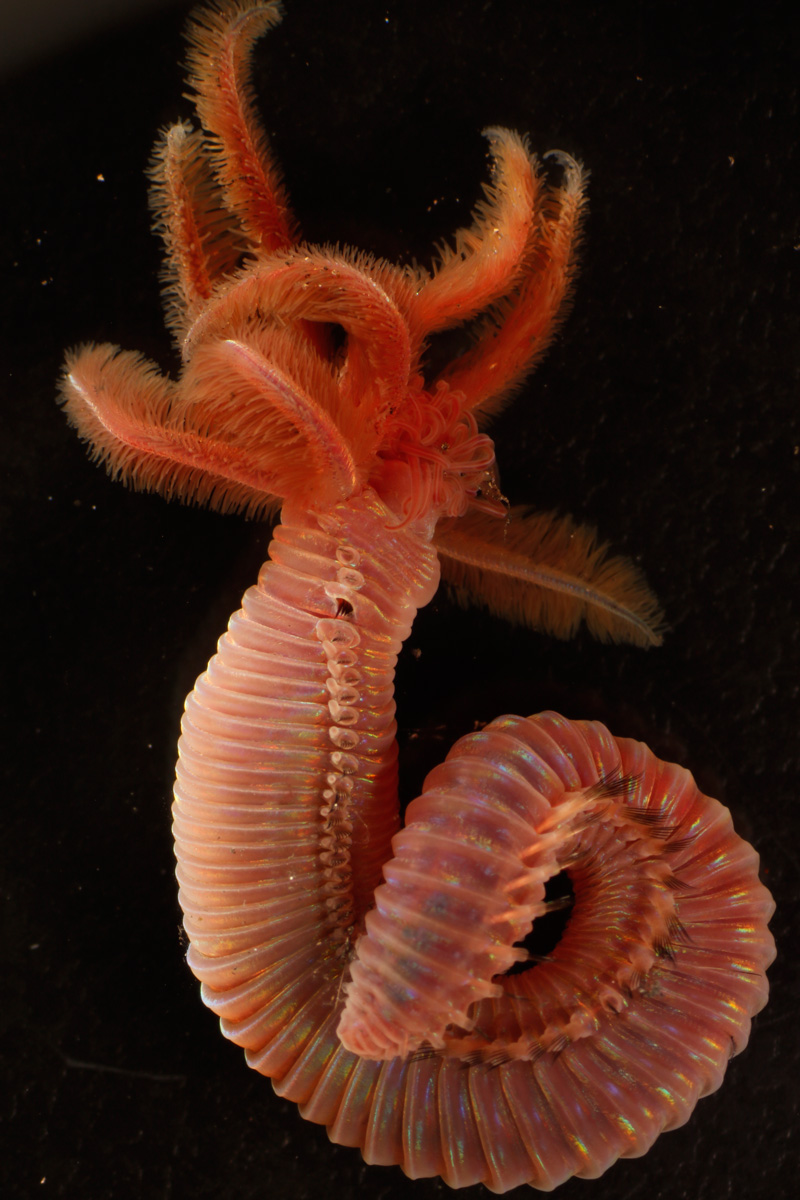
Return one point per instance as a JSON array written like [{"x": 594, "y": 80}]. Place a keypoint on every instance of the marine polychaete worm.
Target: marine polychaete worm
[{"x": 379, "y": 977}]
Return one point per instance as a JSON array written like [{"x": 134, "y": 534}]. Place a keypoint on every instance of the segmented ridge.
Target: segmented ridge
[
  {"x": 614, "y": 1077},
  {"x": 284, "y": 812},
  {"x": 286, "y": 798}
]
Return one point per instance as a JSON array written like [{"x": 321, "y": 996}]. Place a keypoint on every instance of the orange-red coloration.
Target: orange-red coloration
[{"x": 386, "y": 1009}]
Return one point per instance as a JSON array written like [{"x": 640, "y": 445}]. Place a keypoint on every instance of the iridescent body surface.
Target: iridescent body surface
[{"x": 373, "y": 974}]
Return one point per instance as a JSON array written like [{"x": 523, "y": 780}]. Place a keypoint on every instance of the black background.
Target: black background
[{"x": 665, "y": 415}]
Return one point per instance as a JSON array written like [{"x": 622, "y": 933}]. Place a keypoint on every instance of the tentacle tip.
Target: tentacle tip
[
  {"x": 495, "y": 134},
  {"x": 575, "y": 173}
]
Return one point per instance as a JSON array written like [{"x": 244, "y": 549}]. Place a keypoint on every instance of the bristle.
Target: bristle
[
  {"x": 644, "y": 816},
  {"x": 547, "y": 572},
  {"x": 676, "y": 884},
  {"x": 489, "y": 256},
  {"x": 202, "y": 239},
  {"x": 614, "y": 786},
  {"x": 221, "y": 38}
]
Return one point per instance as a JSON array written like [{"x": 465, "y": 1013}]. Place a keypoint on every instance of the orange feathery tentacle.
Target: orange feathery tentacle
[
  {"x": 330, "y": 460},
  {"x": 221, "y": 38},
  {"x": 237, "y": 432},
  {"x": 520, "y": 330},
  {"x": 547, "y": 572},
  {"x": 202, "y": 240},
  {"x": 488, "y": 257},
  {"x": 313, "y": 286},
  {"x": 121, "y": 405}
]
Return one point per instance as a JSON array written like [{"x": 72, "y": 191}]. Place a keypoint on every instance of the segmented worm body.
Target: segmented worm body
[
  {"x": 284, "y": 814},
  {"x": 380, "y": 977}
]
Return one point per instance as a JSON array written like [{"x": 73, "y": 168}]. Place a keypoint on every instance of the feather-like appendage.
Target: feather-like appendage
[
  {"x": 221, "y": 38},
  {"x": 546, "y": 572},
  {"x": 487, "y": 258},
  {"x": 202, "y": 240},
  {"x": 520, "y": 326}
]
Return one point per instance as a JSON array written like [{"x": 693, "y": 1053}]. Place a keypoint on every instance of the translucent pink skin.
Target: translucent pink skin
[
  {"x": 285, "y": 807},
  {"x": 385, "y": 1009}
]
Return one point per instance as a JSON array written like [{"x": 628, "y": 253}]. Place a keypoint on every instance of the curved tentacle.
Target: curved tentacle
[
  {"x": 517, "y": 334},
  {"x": 203, "y": 242},
  {"x": 240, "y": 431},
  {"x": 221, "y": 38},
  {"x": 546, "y": 572},
  {"x": 121, "y": 405},
  {"x": 489, "y": 256},
  {"x": 317, "y": 286},
  {"x": 289, "y": 429}
]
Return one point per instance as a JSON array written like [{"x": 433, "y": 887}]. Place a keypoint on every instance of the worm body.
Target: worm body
[
  {"x": 382, "y": 977},
  {"x": 286, "y": 796},
  {"x": 418, "y": 1047}
]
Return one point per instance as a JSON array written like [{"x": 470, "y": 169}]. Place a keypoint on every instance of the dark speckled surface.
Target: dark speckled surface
[{"x": 666, "y": 414}]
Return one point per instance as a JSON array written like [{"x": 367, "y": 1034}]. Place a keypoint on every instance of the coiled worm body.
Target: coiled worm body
[
  {"x": 285, "y": 808},
  {"x": 381, "y": 977}
]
